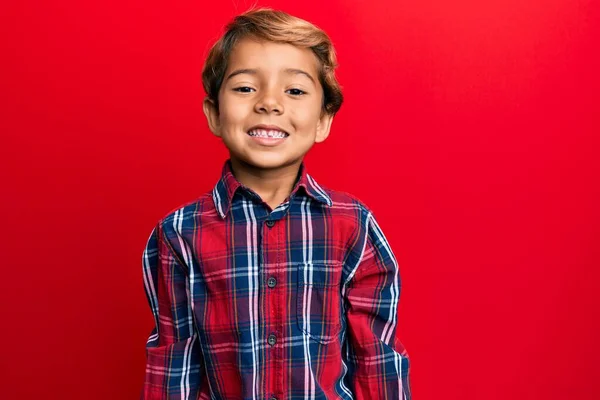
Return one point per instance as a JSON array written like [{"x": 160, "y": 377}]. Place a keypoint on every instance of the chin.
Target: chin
[{"x": 267, "y": 161}]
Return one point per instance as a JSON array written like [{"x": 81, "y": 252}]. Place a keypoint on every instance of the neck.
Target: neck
[{"x": 272, "y": 185}]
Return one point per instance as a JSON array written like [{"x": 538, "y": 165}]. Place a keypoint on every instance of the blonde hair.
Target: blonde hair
[{"x": 279, "y": 27}]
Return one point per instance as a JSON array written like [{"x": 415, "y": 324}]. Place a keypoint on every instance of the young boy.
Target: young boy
[{"x": 272, "y": 286}]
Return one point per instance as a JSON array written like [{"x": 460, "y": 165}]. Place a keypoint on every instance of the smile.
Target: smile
[
  {"x": 268, "y": 133},
  {"x": 267, "y": 137}
]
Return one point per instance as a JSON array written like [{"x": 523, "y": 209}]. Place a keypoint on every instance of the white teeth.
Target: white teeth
[{"x": 267, "y": 133}]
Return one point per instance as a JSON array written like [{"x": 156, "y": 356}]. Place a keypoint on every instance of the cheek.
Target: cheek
[
  {"x": 306, "y": 119},
  {"x": 231, "y": 116}
]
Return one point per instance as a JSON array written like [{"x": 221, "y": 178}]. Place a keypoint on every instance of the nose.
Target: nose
[{"x": 270, "y": 102}]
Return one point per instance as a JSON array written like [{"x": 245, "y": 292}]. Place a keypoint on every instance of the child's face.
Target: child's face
[{"x": 273, "y": 84}]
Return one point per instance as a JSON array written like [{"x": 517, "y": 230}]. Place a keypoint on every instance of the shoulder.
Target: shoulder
[
  {"x": 349, "y": 213},
  {"x": 362, "y": 217},
  {"x": 342, "y": 200},
  {"x": 177, "y": 218}
]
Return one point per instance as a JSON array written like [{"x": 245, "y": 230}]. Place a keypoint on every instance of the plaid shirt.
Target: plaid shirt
[{"x": 298, "y": 302}]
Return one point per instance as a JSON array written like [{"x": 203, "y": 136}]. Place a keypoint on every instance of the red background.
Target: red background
[{"x": 470, "y": 128}]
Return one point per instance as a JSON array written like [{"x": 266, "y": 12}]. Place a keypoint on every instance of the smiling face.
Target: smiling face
[{"x": 270, "y": 105}]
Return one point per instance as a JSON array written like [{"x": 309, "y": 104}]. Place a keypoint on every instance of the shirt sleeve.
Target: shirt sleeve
[
  {"x": 173, "y": 360},
  {"x": 378, "y": 364}
]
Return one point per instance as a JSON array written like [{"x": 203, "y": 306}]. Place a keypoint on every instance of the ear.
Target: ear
[
  {"x": 323, "y": 127},
  {"x": 212, "y": 116}
]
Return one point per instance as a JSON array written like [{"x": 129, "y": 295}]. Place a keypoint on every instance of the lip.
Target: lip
[
  {"x": 266, "y": 141},
  {"x": 268, "y": 127}
]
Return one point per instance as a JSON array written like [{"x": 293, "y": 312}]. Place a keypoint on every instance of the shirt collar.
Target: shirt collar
[{"x": 226, "y": 187}]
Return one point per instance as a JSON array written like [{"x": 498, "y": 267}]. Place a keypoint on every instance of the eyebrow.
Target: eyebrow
[{"x": 250, "y": 71}]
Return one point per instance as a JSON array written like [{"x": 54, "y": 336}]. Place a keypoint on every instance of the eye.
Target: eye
[
  {"x": 296, "y": 92},
  {"x": 243, "y": 89}
]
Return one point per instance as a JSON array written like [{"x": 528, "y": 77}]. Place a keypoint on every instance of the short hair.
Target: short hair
[{"x": 278, "y": 27}]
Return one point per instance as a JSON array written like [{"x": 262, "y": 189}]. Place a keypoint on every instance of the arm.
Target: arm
[
  {"x": 173, "y": 362},
  {"x": 378, "y": 364}
]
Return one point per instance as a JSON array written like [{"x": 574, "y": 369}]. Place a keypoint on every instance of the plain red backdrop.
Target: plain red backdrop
[{"x": 470, "y": 128}]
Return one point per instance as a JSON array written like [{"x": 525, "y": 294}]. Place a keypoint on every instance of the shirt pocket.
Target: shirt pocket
[{"x": 318, "y": 300}]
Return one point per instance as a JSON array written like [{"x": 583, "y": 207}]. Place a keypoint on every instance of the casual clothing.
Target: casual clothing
[{"x": 298, "y": 302}]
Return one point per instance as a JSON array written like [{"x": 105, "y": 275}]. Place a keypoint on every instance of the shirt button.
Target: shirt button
[
  {"x": 273, "y": 398},
  {"x": 270, "y": 223},
  {"x": 272, "y": 282},
  {"x": 272, "y": 340}
]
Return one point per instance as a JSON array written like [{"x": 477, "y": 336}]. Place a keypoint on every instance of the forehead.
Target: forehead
[{"x": 271, "y": 57}]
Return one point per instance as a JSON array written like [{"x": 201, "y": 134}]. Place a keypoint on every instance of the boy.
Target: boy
[{"x": 272, "y": 286}]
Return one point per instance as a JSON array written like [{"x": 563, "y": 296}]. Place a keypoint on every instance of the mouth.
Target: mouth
[
  {"x": 267, "y": 135},
  {"x": 268, "y": 132}
]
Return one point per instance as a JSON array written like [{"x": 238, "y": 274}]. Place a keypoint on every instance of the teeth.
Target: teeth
[{"x": 267, "y": 133}]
